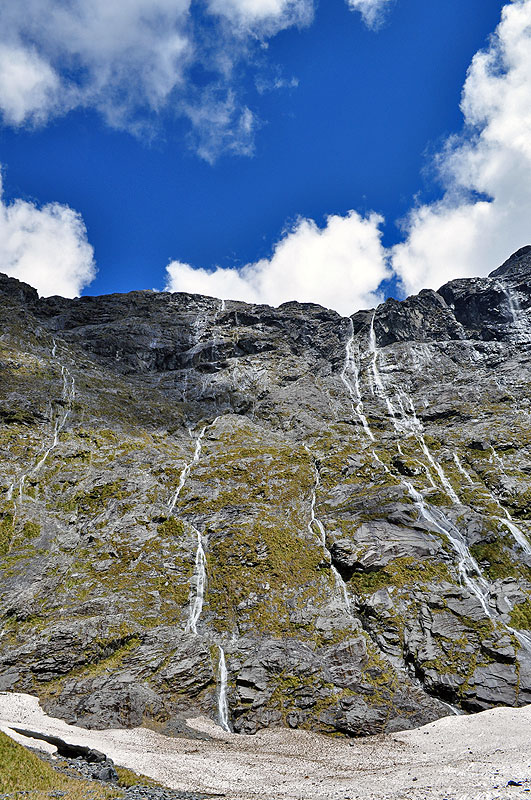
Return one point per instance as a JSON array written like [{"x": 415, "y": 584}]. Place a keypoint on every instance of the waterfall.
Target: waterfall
[
  {"x": 469, "y": 570},
  {"x": 199, "y": 578},
  {"x": 341, "y": 589},
  {"x": 440, "y": 472},
  {"x": 350, "y": 378},
  {"x": 414, "y": 425},
  {"x": 377, "y": 384},
  {"x": 512, "y": 304},
  {"x": 223, "y": 705},
  {"x": 468, "y": 565},
  {"x": 523, "y": 638},
  {"x": 197, "y": 591},
  {"x": 517, "y": 534},
  {"x": 462, "y": 470},
  {"x": 68, "y": 394},
  {"x": 508, "y": 521},
  {"x": 519, "y": 321},
  {"x": 187, "y": 467}
]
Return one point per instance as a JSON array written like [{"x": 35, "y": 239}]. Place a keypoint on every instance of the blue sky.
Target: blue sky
[{"x": 282, "y": 117}]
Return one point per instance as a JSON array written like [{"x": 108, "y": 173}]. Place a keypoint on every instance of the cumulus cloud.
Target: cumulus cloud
[
  {"x": 133, "y": 59},
  {"x": 46, "y": 247},
  {"x": 485, "y": 213},
  {"x": 339, "y": 266},
  {"x": 28, "y": 85},
  {"x": 372, "y": 11},
  {"x": 269, "y": 15},
  {"x": 114, "y": 56}
]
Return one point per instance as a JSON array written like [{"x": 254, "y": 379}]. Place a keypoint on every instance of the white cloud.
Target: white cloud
[
  {"x": 131, "y": 60},
  {"x": 372, "y": 11},
  {"x": 339, "y": 266},
  {"x": 269, "y": 15},
  {"x": 485, "y": 213},
  {"x": 114, "y": 56},
  {"x": 46, "y": 247},
  {"x": 222, "y": 125},
  {"x": 28, "y": 86}
]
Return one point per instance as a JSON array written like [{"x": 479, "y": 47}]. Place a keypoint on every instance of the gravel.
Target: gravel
[{"x": 472, "y": 757}]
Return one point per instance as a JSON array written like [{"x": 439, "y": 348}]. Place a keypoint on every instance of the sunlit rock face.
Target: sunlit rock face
[{"x": 269, "y": 516}]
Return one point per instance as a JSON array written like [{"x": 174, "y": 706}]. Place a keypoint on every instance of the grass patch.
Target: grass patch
[
  {"x": 127, "y": 777},
  {"x": 521, "y": 616},
  {"x": 22, "y": 771}
]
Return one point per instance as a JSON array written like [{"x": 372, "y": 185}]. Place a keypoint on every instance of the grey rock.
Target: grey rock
[{"x": 342, "y": 568}]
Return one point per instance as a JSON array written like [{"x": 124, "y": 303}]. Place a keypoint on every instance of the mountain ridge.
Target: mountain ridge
[{"x": 334, "y": 510}]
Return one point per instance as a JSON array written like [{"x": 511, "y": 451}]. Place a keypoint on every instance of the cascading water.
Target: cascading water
[
  {"x": 411, "y": 422},
  {"x": 468, "y": 565},
  {"x": 199, "y": 578},
  {"x": 223, "y": 705},
  {"x": 408, "y": 423},
  {"x": 197, "y": 590},
  {"x": 513, "y": 303},
  {"x": 341, "y": 589},
  {"x": 377, "y": 386},
  {"x": 187, "y": 467},
  {"x": 462, "y": 470},
  {"x": 517, "y": 534},
  {"x": 469, "y": 569},
  {"x": 68, "y": 395},
  {"x": 350, "y": 378},
  {"x": 520, "y": 322}
]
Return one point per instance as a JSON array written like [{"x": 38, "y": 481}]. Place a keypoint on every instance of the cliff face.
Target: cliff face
[{"x": 271, "y": 516}]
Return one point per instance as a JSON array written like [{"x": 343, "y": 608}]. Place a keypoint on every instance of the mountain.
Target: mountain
[{"x": 272, "y": 516}]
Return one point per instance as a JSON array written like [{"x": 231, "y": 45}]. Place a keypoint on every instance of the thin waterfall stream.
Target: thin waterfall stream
[
  {"x": 223, "y": 706},
  {"x": 198, "y": 586},
  {"x": 350, "y": 378},
  {"x": 187, "y": 467},
  {"x": 68, "y": 395},
  {"x": 199, "y": 581},
  {"x": 341, "y": 589},
  {"x": 470, "y": 572}
]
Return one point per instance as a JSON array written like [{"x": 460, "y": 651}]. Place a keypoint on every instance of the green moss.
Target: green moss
[
  {"x": 31, "y": 530},
  {"x": 95, "y": 500},
  {"x": 380, "y": 676},
  {"x": 431, "y": 442},
  {"x": 269, "y": 569},
  {"x": 521, "y": 616},
  {"x": 6, "y": 531},
  {"x": 16, "y": 416},
  {"x": 437, "y": 498},
  {"x": 496, "y": 559},
  {"x": 301, "y": 693},
  {"x": 454, "y": 660},
  {"x": 127, "y": 778},
  {"x": 400, "y": 573},
  {"x": 171, "y": 527},
  {"x": 111, "y": 663},
  {"x": 520, "y": 504}
]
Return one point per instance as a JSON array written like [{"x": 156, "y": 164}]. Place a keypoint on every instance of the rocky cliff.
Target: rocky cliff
[{"x": 271, "y": 516}]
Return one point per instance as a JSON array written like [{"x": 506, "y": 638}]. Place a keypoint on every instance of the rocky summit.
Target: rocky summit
[{"x": 271, "y": 516}]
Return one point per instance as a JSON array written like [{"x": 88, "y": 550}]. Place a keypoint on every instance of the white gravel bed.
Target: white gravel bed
[{"x": 458, "y": 757}]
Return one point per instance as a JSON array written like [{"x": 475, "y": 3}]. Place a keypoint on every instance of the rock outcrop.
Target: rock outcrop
[{"x": 271, "y": 516}]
